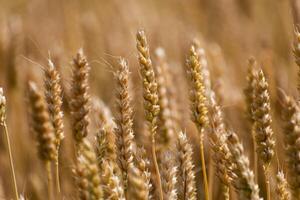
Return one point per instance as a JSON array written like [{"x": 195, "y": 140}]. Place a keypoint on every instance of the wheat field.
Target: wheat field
[{"x": 150, "y": 100}]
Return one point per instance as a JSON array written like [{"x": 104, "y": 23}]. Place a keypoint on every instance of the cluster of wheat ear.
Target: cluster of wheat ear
[{"x": 116, "y": 166}]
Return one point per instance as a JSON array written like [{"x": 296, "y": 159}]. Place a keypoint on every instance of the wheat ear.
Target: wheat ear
[
  {"x": 79, "y": 103},
  {"x": 3, "y": 124},
  {"x": 43, "y": 129},
  {"x": 291, "y": 120},
  {"x": 87, "y": 174},
  {"x": 282, "y": 189},
  {"x": 165, "y": 121},
  {"x": 242, "y": 177},
  {"x": 124, "y": 130},
  {"x": 139, "y": 177},
  {"x": 114, "y": 189},
  {"x": 222, "y": 156},
  {"x": 264, "y": 136},
  {"x": 249, "y": 96},
  {"x": 169, "y": 171},
  {"x": 53, "y": 94},
  {"x": 187, "y": 180},
  {"x": 198, "y": 105},
  {"x": 296, "y": 51},
  {"x": 150, "y": 94}
]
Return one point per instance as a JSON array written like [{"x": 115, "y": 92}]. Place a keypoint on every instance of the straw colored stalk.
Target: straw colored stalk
[
  {"x": 79, "y": 102},
  {"x": 3, "y": 124},
  {"x": 53, "y": 94},
  {"x": 41, "y": 125},
  {"x": 198, "y": 105},
  {"x": 151, "y": 100}
]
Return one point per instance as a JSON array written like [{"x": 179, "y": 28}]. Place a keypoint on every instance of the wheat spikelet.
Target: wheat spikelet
[
  {"x": 87, "y": 173},
  {"x": 242, "y": 177},
  {"x": 187, "y": 183},
  {"x": 291, "y": 120},
  {"x": 79, "y": 102},
  {"x": 124, "y": 131},
  {"x": 264, "y": 137},
  {"x": 150, "y": 94},
  {"x": 282, "y": 189},
  {"x": 41, "y": 125},
  {"x": 169, "y": 176}
]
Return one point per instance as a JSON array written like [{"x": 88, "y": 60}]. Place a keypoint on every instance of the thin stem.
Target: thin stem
[
  {"x": 211, "y": 174},
  {"x": 156, "y": 167},
  {"x": 11, "y": 161},
  {"x": 254, "y": 154},
  {"x": 203, "y": 166},
  {"x": 267, "y": 183},
  {"x": 49, "y": 179},
  {"x": 57, "y": 180}
]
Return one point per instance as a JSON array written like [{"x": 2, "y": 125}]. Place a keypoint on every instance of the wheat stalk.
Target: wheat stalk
[
  {"x": 264, "y": 136},
  {"x": 3, "y": 124},
  {"x": 198, "y": 105},
  {"x": 53, "y": 94},
  {"x": 124, "y": 130},
  {"x": 43, "y": 129},
  {"x": 150, "y": 94}
]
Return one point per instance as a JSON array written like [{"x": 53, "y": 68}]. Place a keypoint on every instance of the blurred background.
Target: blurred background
[{"x": 229, "y": 30}]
